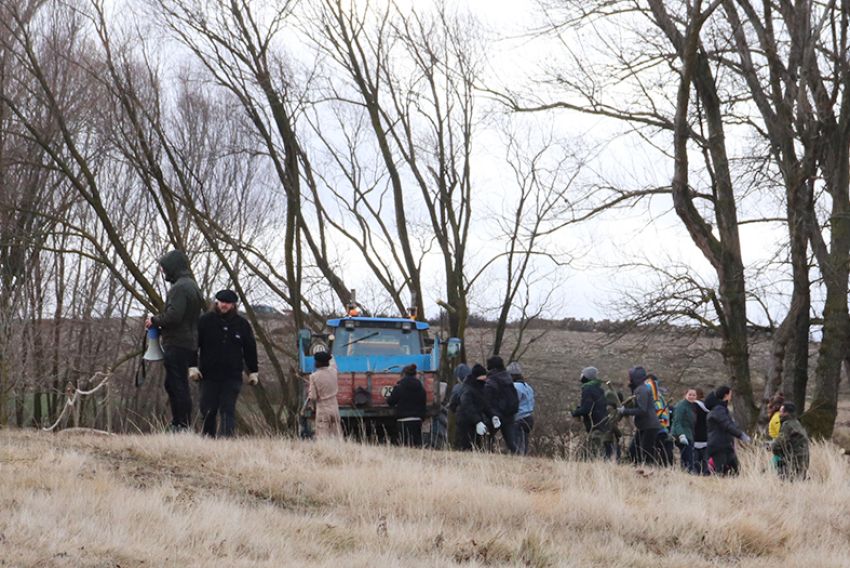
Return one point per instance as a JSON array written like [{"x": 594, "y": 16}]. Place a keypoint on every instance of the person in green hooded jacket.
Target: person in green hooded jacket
[
  {"x": 791, "y": 446},
  {"x": 593, "y": 410},
  {"x": 178, "y": 325}
]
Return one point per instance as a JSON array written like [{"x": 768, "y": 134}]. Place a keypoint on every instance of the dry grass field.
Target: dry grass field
[{"x": 164, "y": 500}]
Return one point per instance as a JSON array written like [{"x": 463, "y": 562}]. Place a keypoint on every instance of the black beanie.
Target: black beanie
[
  {"x": 478, "y": 370},
  {"x": 790, "y": 408},
  {"x": 495, "y": 363}
]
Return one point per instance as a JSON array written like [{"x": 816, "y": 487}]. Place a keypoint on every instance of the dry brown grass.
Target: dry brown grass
[{"x": 76, "y": 500}]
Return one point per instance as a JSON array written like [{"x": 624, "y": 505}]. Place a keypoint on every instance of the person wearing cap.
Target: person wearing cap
[
  {"x": 647, "y": 425},
  {"x": 524, "y": 418},
  {"x": 178, "y": 326},
  {"x": 593, "y": 410},
  {"x": 470, "y": 408},
  {"x": 409, "y": 399},
  {"x": 322, "y": 395},
  {"x": 791, "y": 445},
  {"x": 227, "y": 349}
]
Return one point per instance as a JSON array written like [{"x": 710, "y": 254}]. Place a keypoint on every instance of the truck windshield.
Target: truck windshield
[{"x": 376, "y": 341}]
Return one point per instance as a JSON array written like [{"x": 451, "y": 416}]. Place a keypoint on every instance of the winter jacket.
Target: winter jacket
[
  {"x": 774, "y": 426},
  {"x": 722, "y": 429},
  {"x": 644, "y": 409},
  {"x": 526, "y": 400},
  {"x": 183, "y": 304},
  {"x": 408, "y": 398},
  {"x": 500, "y": 395},
  {"x": 684, "y": 419},
  {"x": 472, "y": 405},
  {"x": 227, "y": 346},
  {"x": 593, "y": 408},
  {"x": 700, "y": 424},
  {"x": 792, "y": 443}
]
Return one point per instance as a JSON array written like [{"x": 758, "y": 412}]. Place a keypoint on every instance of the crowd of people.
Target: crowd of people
[
  {"x": 700, "y": 426},
  {"x": 218, "y": 349}
]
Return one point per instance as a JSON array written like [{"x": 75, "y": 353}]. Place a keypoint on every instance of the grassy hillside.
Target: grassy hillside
[{"x": 130, "y": 501}]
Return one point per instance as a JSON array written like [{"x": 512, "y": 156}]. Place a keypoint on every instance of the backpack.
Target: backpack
[{"x": 661, "y": 409}]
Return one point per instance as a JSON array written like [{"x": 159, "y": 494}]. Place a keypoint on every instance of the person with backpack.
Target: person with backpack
[
  {"x": 647, "y": 425},
  {"x": 663, "y": 441},
  {"x": 502, "y": 400},
  {"x": 722, "y": 432},
  {"x": 791, "y": 445},
  {"x": 593, "y": 410},
  {"x": 611, "y": 438},
  {"x": 524, "y": 418},
  {"x": 682, "y": 430},
  {"x": 470, "y": 408}
]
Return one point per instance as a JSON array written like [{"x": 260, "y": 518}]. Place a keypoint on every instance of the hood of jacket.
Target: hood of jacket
[
  {"x": 175, "y": 265},
  {"x": 591, "y": 383}
]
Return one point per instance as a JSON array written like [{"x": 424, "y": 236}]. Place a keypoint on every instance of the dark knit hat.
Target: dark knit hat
[
  {"x": 478, "y": 370},
  {"x": 227, "y": 296},
  {"x": 637, "y": 375},
  {"x": 495, "y": 363},
  {"x": 790, "y": 408},
  {"x": 323, "y": 359}
]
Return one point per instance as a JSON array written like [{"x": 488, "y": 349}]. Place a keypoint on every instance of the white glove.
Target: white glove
[
  {"x": 621, "y": 410},
  {"x": 195, "y": 374},
  {"x": 746, "y": 439},
  {"x": 683, "y": 439},
  {"x": 480, "y": 428},
  {"x": 497, "y": 423},
  {"x": 253, "y": 379}
]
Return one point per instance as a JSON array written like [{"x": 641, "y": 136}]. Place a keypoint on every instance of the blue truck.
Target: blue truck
[{"x": 370, "y": 353}]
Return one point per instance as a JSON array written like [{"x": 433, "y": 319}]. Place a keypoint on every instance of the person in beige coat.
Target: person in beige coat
[{"x": 322, "y": 395}]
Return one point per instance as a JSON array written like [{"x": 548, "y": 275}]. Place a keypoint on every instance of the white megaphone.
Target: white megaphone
[{"x": 154, "y": 351}]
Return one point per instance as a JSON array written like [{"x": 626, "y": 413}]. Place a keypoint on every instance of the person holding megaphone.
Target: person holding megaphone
[{"x": 178, "y": 326}]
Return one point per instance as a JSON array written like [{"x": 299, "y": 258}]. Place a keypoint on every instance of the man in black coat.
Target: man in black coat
[
  {"x": 227, "y": 348},
  {"x": 470, "y": 408},
  {"x": 502, "y": 400},
  {"x": 722, "y": 432},
  {"x": 178, "y": 325},
  {"x": 409, "y": 399}
]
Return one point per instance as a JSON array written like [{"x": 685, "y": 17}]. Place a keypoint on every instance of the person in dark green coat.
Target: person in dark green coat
[
  {"x": 178, "y": 325},
  {"x": 791, "y": 446},
  {"x": 682, "y": 428}
]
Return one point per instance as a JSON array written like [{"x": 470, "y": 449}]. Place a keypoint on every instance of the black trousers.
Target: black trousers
[
  {"x": 177, "y": 361},
  {"x": 644, "y": 442},
  {"x": 219, "y": 397},
  {"x": 725, "y": 461},
  {"x": 410, "y": 433}
]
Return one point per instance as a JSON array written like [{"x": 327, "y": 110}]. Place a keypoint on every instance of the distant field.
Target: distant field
[{"x": 68, "y": 500}]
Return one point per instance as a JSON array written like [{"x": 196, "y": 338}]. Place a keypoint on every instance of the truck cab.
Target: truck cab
[{"x": 369, "y": 353}]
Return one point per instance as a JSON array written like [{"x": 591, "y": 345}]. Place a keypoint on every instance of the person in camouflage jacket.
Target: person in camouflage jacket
[{"x": 791, "y": 446}]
